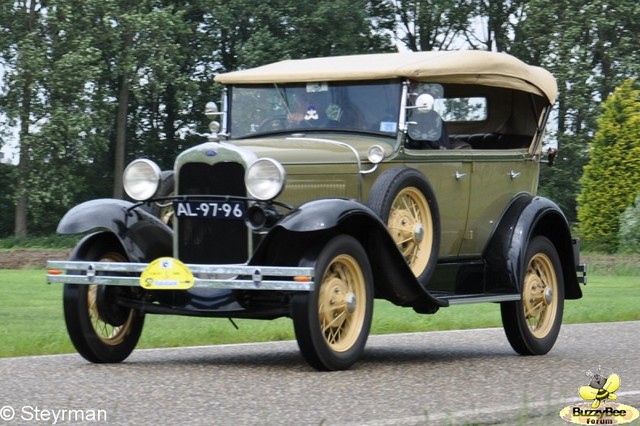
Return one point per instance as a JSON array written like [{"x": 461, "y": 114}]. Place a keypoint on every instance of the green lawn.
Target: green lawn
[{"x": 31, "y": 321}]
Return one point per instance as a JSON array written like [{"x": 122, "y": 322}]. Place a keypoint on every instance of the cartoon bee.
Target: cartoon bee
[{"x": 600, "y": 388}]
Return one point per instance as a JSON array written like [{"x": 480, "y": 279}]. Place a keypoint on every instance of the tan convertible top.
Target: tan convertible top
[{"x": 464, "y": 67}]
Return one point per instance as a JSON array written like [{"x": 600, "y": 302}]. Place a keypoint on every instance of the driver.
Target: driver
[{"x": 309, "y": 107}]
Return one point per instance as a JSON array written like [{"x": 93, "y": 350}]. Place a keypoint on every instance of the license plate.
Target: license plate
[{"x": 210, "y": 209}]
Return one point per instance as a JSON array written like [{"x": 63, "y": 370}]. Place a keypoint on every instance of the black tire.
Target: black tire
[
  {"x": 533, "y": 323},
  {"x": 416, "y": 230},
  {"x": 163, "y": 210},
  {"x": 100, "y": 330},
  {"x": 332, "y": 322}
]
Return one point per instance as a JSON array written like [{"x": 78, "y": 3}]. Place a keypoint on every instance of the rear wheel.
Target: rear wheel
[
  {"x": 532, "y": 324},
  {"x": 332, "y": 322},
  {"x": 100, "y": 330}
]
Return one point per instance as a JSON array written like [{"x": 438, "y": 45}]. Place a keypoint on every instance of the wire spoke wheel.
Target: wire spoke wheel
[
  {"x": 332, "y": 322},
  {"x": 540, "y": 294},
  {"x": 109, "y": 334},
  {"x": 532, "y": 324},
  {"x": 341, "y": 315},
  {"x": 101, "y": 330}
]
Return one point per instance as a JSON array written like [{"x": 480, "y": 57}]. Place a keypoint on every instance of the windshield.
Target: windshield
[{"x": 351, "y": 106}]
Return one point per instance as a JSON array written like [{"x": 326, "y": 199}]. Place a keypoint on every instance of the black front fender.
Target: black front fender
[
  {"x": 298, "y": 238},
  {"x": 143, "y": 236},
  {"x": 525, "y": 218}
]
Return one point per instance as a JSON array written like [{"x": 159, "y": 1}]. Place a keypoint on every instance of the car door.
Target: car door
[
  {"x": 449, "y": 173},
  {"x": 496, "y": 177}
]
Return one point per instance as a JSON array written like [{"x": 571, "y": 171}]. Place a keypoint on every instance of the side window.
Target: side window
[{"x": 462, "y": 109}]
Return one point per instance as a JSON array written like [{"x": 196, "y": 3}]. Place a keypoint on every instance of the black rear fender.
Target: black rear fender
[
  {"x": 525, "y": 218},
  {"x": 142, "y": 236},
  {"x": 299, "y": 237}
]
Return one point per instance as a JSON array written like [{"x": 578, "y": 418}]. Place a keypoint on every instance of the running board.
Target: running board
[{"x": 463, "y": 299}]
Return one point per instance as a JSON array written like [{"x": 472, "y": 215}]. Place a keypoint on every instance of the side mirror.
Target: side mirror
[{"x": 424, "y": 102}]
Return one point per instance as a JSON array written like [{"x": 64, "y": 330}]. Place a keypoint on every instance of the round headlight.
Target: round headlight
[
  {"x": 265, "y": 179},
  {"x": 214, "y": 127},
  {"x": 141, "y": 179}
]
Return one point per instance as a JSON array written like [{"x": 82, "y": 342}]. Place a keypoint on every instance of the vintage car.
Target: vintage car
[{"x": 409, "y": 177}]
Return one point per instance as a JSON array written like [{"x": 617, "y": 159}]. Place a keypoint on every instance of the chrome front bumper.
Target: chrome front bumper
[{"x": 231, "y": 277}]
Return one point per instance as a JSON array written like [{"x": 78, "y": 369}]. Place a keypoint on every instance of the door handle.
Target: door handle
[
  {"x": 460, "y": 175},
  {"x": 513, "y": 174}
]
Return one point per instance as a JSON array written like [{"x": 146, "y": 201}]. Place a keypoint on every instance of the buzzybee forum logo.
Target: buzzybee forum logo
[{"x": 601, "y": 406}]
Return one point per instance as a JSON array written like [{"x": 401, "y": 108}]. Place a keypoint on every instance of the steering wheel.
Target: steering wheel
[{"x": 273, "y": 124}]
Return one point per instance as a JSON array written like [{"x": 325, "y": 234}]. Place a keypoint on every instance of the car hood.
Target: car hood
[{"x": 317, "y": 148}]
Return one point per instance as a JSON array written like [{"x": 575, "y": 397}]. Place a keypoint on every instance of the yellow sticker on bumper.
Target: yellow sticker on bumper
[{"x": 166, "y": 273}]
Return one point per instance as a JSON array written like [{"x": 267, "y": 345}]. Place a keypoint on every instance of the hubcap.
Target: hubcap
[
  {"x": 418, "y": 233},
  {"x": 350, "y": 300},
  {"x": 548, "y": 296}
]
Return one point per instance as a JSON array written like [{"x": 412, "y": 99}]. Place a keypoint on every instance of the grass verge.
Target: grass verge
[
  {"x": 54, "y": 241},
  {"x": 31, "y": 318}
]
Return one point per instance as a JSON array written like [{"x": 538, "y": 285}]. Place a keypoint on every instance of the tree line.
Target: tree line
[{"x": 91, "y": 84}]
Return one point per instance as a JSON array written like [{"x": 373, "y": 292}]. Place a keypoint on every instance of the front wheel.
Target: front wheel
[
  {"x": 332, "y": 322},
  {"x": 532, "y": 324},
  {"x": 100, "y": 330}
]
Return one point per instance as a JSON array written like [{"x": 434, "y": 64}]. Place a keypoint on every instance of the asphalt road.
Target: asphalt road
[{"x": 409, "y": 379}]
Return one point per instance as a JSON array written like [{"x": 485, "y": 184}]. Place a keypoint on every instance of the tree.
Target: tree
[
  {"x": 21, "y": 46},
  {"x": 93, "y": 84},
  {"x": 139, "y": 42},
  {"x": 611, "y": 179},
  {"x": 249, "y": 34},
  {"x": 590, "y": 48},
  {"x": 336, "y": 27},
  {"x": 425, "y": 25},
  {"x": 629, "y": 236},
  {"x": 499, "y": 21},
  {"x": 7, "y": 209}
]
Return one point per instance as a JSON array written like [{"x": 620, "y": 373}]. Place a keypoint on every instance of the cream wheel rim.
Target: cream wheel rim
[
  {"x": 107, "y": 333},
  {"x": 410, "y": 224},
  {"x": 540, "y": 295},
  {"x": 342, "y": 303}
]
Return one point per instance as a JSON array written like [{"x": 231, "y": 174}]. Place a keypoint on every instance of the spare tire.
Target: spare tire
[{"x": 405, "y": 201}]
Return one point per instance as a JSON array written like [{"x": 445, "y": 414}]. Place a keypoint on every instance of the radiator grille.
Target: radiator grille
[{"x": 212, "y": 240}]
